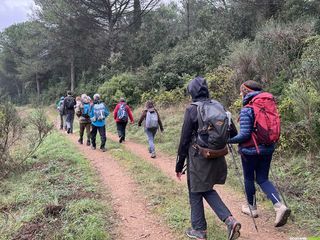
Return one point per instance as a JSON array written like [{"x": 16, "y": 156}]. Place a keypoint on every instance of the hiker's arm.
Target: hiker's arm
[
  {"x": 130, "y": 113},
  {"x": 115, "y": 112},
  {"x": 246, "y": 126},
  {"x": 106, "y": 111},
  {"x": 160, "y": 122},
  {"x": 186, "y": 137},
  {"x": 143, "y": 116}
]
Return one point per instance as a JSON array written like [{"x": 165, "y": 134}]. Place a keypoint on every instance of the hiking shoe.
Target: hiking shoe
[
  {"x": 246, "y": 210},
  {"x": 103, "y": 149},
  {"x": 69, "y": 130},
  {"x": 153, "y": 155},
  {"x": 233, "y": 228},
  {"x": 88, "y": 142},
  {"x": 121, "y": 139},
  {"x": 93, "y": 148},
  {"x": 80, "y": 141},
  {"x": 196, "y": 234},
  {"x": 282, "y": 214}
]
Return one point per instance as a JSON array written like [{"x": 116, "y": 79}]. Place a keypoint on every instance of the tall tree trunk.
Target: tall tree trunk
[
  {"x": 38, "y": 85},
  {"x": 188, "y": 17},
  {"x": 72, "y": 75},
  {"x": 136, "y": 16},
  {"x": 18, "y": 89}
]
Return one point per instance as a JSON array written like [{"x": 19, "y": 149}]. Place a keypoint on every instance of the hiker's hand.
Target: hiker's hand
[{"x": 178, "y": 175}]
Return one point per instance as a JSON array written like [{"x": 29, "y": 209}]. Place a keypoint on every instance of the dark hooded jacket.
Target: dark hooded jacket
[{"x": 202, "y": 173}]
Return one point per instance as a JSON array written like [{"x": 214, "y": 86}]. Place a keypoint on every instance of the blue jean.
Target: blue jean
[
  {"x": 151, "y": 134},
  {"x": 256, "y": 168},
  {"x": 198, "y": 219},
  {"x": 70, "y": 119}
]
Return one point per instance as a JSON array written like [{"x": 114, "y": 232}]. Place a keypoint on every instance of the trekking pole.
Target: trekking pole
[
  {"x": 281, "y": 194},
  {"x": 238, "y": 172},
  {"x": 242, "y": 185}
]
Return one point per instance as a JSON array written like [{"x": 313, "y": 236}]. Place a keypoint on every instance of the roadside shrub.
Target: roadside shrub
[
  {"x": 125, "y": 85},
  {"x": 222, "y": 86},
  {"x": 310, "y": 59},
  {"x": 14, "y": 130},
  {"x": 165, "y": 98},
  {"x": 275, "y": 51},
  {"x": 10, "y": 132},
  {"x": 300, "y": 111}
]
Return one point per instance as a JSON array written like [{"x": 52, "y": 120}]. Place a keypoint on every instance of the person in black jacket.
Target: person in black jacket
[
  {"x": 69, "y": 104},
  {"x": 202, "y": 173}
]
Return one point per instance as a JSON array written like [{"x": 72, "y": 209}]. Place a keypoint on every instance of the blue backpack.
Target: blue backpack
[
  {"x": 99, "y": 112},
  {"x": 85, "y": 110},
  {"x": 122, "y": 113}
]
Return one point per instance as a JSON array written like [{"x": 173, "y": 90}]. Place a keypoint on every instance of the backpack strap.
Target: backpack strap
[{"x": 200, "y": 120}]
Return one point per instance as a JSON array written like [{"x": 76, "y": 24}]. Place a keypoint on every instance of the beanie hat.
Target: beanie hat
[
  {"x": 250, "y": 86},
  {"x": 96, "y": 96}
]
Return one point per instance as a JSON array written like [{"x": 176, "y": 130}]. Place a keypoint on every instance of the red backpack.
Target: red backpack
[{"x": 266, "y": 121}]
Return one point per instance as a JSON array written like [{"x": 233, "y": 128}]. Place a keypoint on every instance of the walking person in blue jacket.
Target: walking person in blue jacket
[
  {"x": 98, "y": 114},
  {"x": 256, "y": 160}
]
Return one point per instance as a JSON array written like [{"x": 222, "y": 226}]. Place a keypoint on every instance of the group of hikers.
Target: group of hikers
[
  {"x": 206, "y": 137},
  {"x": 92, "y": 114}
]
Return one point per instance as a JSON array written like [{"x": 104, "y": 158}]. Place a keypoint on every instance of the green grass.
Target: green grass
[
  {"x": 57, "y": 176},
  {"x": 166, "y": 198}
]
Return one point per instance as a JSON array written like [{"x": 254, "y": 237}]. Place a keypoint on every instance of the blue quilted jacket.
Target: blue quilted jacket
[{"x": 246, "y": 128}]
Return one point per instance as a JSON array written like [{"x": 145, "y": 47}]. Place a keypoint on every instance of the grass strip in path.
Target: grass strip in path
[{"x": 57, "y": 196}]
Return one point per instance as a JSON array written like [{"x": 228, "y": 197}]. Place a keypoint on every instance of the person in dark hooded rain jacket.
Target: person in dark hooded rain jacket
[
  {"x": 202, "y": 173},
  {"x": 256, "y": 165}
]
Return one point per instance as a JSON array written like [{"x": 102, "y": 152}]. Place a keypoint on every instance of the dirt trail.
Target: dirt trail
[
  {"x": 232, "y": 199},
  {"x": 136, "y": 221}
]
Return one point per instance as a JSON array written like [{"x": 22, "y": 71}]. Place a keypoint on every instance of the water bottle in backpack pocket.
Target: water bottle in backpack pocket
[
  {"x": 152, "y": 119},
  {"x": 122, "y": 113}
]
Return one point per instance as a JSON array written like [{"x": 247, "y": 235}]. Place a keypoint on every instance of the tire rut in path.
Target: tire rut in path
[
  {"x": 136, "y": 220},
  {"x": 232, "y": 199}
]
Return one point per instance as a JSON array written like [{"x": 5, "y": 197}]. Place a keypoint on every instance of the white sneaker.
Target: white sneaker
[
  {"x": 245, "y": 209},
  {"x": 282, "y": 214}
]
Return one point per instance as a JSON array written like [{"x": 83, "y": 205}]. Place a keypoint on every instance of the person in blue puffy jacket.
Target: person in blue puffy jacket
[{"x": 256, "y": 165}]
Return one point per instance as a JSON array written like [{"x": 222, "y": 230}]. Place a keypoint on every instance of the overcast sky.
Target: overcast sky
[{"x": 14, "y": 11}]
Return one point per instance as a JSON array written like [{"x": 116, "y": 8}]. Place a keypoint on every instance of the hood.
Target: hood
[
  {"x": 247, "y": 98},
  {"x": 198, "y": 89}
]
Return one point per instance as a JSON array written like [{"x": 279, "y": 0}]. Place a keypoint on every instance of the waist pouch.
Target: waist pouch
[{"x": 211, "y": 153}]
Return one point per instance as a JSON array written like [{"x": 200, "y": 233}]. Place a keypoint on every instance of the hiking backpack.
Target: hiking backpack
[
  {"x": 61, "y": 107},
  {"x": 151, "y": 119},
  {"x": 122, "y": 113},
  {"x": 266, "y": 121},
  {"x": 99, "y": 112},
  {"x": 85, "y": 110},
  {"x": 213, "y": 125},
  {"x": 69, "y": 103}
]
